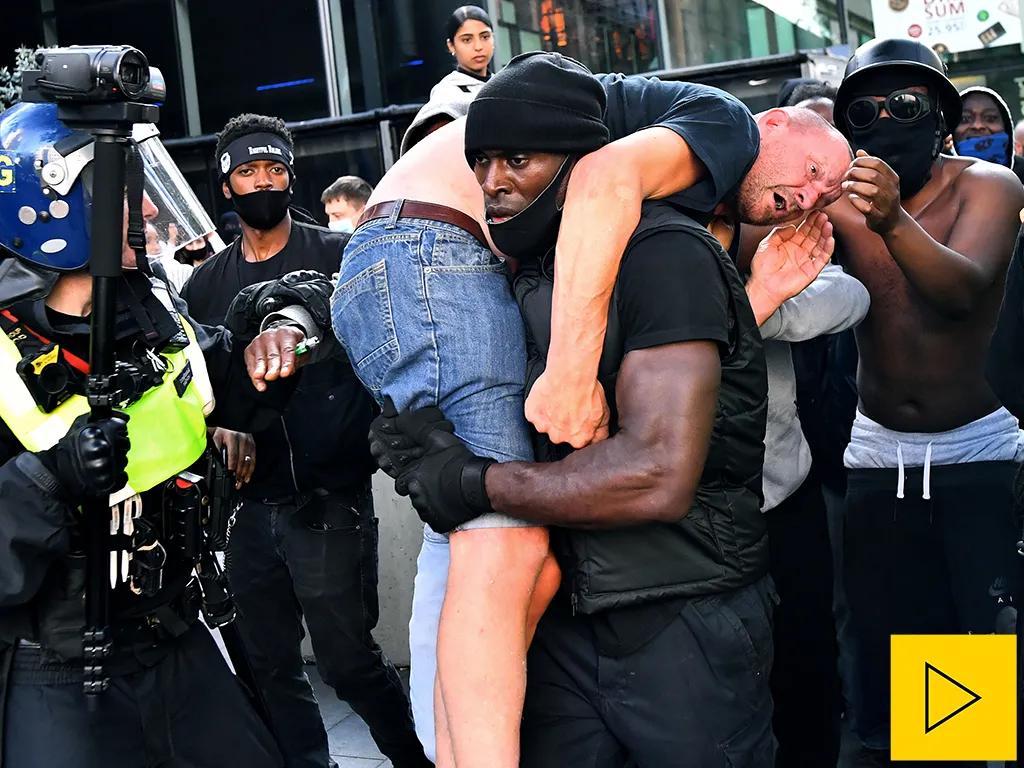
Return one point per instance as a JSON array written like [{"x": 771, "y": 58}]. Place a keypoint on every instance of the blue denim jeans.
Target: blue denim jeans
[{"x": 427, "y": 317}]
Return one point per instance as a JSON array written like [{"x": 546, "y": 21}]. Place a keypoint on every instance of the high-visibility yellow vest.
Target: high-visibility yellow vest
[{"x": 167, "y": 429}]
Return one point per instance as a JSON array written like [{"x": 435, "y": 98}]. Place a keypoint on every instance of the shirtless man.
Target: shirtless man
[
  {"x": 929, "y": 537},
  {"x": 425, "y": 313}
]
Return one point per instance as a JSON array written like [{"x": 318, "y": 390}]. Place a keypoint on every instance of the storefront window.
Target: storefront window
[
  {"x": 606, "y": 36},
  {"x": 257, "y": 56},
  {"x": 411, "y": 46},
  {"x": 711, "y": 31}
]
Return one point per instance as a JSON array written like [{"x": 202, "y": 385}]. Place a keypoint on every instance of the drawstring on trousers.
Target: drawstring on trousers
[
  {"x": 899, "y": 470},
  {"x": 926, "y": 491}
]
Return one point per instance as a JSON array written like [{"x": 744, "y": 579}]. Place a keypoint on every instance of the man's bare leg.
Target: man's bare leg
[
  {"x": 499, "y": 582},
  {"x": 443, "y": 757}
]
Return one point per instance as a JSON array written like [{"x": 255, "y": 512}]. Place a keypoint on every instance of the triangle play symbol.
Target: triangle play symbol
[{"x": 944, "y": 697}]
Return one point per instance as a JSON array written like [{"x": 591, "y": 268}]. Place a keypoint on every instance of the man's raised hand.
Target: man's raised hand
[
  {"x": 787, "y": 261},
  {"x": 874, "y": 190}
]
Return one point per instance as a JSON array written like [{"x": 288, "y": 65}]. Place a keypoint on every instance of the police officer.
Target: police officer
[{"x": 171, "y": 699}]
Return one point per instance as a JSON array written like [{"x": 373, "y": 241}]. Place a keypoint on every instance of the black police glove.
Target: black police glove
[
  {"x": 90, "y": 460},
  {"x": 306, "y": 288},
  {"x": 441, "y": 476}
]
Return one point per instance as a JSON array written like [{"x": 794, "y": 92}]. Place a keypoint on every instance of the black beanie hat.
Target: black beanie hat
[{"x": 540, "y": 102}]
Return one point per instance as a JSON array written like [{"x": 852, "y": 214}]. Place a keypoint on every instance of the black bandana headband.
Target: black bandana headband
[{"x": 255, "y": 146}]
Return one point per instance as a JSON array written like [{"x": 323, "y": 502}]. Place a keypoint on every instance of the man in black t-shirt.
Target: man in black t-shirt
[
  {"x": 657, "y": 649},
  {"x": 305, "y": 536}
]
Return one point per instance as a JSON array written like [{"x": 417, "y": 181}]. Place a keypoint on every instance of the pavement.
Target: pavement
[{"x": 348, "y": 736}]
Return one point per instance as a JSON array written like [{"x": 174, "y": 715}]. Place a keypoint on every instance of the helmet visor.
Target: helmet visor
[{"x": 179, "y": 217}]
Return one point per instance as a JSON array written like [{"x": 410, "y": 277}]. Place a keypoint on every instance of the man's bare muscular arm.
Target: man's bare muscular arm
[
  {"x": 602, "y": 208},
  {"x": 649, "y": 470},
  {"x": 952, "y": 278}
]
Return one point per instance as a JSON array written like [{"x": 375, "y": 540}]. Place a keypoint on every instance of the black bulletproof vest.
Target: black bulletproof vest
[{"x": 720, "y": 542}]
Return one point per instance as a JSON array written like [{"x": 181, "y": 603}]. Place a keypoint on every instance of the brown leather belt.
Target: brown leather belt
[{"x": 412, "y": 209}]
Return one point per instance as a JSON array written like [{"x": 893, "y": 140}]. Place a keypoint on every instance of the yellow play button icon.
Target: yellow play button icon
[
  {"x": 945, "y": 698},
  {"x": 954, "y": 697}
]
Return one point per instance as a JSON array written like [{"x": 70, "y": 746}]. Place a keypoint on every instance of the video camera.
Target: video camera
[{"x": 93, "y": 74}]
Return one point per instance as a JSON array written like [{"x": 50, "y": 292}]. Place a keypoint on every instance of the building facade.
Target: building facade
[{"x": 314, "y": 62}]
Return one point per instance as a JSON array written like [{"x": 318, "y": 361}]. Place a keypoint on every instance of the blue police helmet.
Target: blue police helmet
[{"x": 44, "y": 203}]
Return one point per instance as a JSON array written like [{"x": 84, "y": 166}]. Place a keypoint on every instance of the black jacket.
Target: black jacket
[
  {"x": 1005, "y": 367},
  {"x": 321, "y": 439},
  {"x": 720, "y": 542}
]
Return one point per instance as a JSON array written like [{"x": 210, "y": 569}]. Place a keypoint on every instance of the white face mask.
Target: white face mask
[{"x": 341, "y": 225}]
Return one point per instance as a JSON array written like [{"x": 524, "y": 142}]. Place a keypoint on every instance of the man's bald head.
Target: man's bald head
[
  {"x": 799, "y": 167},
  {"x": 1018, "y": 138}
]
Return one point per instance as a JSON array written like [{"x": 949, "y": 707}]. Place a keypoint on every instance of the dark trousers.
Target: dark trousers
[
  {"x": 805, "y": 681},
  {"x": 695, "y": 696},
  {"x": 317, "y": 560},
  {"x": 944, "y": 565},
  {"x": 187, "y": 711}
]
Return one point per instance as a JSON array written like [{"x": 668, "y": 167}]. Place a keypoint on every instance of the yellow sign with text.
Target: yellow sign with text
[{"x": 954, "y": 697}]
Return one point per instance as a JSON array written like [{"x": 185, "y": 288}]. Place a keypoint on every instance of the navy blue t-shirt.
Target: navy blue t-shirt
[{"x": 717, "y": 126}]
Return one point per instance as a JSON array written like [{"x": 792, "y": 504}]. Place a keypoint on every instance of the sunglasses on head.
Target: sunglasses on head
[{"x": 902, "y": 106}]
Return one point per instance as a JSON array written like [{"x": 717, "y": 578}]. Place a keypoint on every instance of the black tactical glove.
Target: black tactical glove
[
  {"x": 305, "y": 288},
  {"x": 441, "y": 476},
  {"x": 396, "y": 439},
  {"x": 90, "y": 460}
]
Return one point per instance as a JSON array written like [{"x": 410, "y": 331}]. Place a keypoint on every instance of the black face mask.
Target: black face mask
[
  {"x": 185, "y": 256},
  {"x": 908, "y": 148},
  {"x": 263, "y": 209},
  {"x": 535, "y": 228}
]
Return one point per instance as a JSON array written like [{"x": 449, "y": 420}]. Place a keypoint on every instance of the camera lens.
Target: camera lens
[
  {"x": 53, "y": 379},
  {"x": 131, "y": 72}
]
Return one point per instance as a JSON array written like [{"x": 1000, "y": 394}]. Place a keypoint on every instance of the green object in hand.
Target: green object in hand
[{"x": 306, "y": 345}]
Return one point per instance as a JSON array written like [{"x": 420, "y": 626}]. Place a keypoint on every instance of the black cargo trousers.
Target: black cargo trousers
[
  {"x": 315, "y": 556},
  {"x": 695, "y": 695},
  {"x": 181, "y": 708}
]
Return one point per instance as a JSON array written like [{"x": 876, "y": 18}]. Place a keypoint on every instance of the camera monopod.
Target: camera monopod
[
  {"x": 105, "y": 268},
  {"x": 101, "y": 90},
  {"x": 111, "y": 127}
]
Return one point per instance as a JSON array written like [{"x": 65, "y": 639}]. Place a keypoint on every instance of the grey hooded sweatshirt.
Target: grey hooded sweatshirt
[{"x": 834, "y": 302}]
